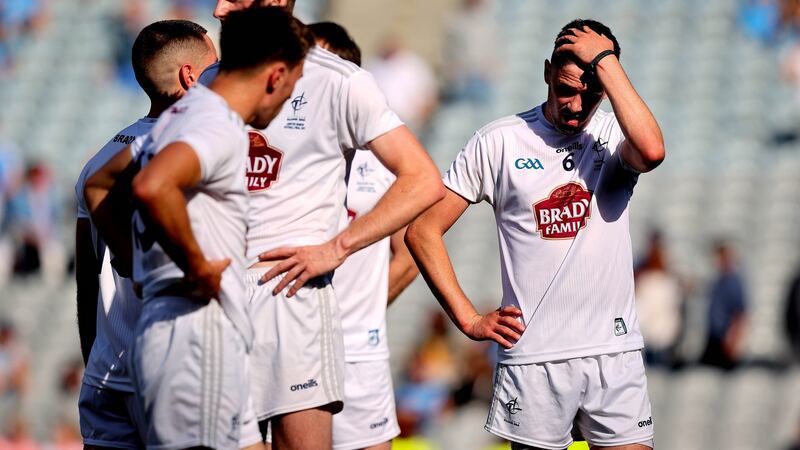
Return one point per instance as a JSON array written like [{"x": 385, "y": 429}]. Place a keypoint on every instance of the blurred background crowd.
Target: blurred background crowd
[{"x": 715, "y": 228}]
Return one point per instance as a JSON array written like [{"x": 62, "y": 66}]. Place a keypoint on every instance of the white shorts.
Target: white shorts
[
  {"x": 109, "y": 418},
  {"x": 368, "y": 417},
  {"x": 604, "y": 396},
  {"x": 297, "y": 359},
  {"x": 189, "y": 369}
]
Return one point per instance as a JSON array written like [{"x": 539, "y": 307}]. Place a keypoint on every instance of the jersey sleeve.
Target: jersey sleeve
[
  {"x": 215, "y": 148},
  {"x": 471, "y": 175},
  {"x": 366, "y": 114},
  {"x": 83, "y": 211}
]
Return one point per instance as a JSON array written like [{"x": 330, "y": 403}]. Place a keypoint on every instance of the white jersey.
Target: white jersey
[
  {"x": 217, "y": 205},
  {"x": 561, "y": 207},
  {"x": 362, "y": 281},
  {"x": 118, "y": 308},
  {"x": 296, "y": 169}
]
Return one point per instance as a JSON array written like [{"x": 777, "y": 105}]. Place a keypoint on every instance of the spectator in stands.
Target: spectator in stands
[
  {"x": 17, "y": 436},
  {"x": 19, "y": 19},
  {"x": 760, "y": 19},
  {"x": 14, "y": 364},
  {"x": 407, "y": 81},
  {"x": 10, "y": 180},
  {"x": 792, "y": 317},
  {"x": 34, "y": 219},
  {"x": 659, "y": 304},
  {"x": 727, "y": 313},
  {"x": 123, "y": 29},
  {"x": 470, "y": 52},
  {"x": 430, "y": 377},
  {"x": 66, "y": 436}
]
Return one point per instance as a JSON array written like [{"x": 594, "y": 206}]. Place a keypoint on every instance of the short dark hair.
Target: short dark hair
[
  {"x": 256, "y": 36},
  {"x": 338, "y": 40},
  {"x": 560, "y": 58},
  {"x": 158, "y": 40}
]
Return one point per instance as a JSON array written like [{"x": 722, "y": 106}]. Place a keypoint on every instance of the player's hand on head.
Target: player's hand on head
[
  {"x": 584, "y": 43},
  {"x": 300, "y": 264},
  {"x": 206, "y": 280},
  {"x": 501, "y": 325}
]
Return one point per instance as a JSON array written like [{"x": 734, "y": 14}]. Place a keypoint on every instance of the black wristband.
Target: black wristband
[{"x": 596, "y": 60}]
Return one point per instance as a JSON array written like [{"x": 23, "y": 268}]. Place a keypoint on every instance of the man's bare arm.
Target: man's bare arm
[
  {"x": 108, "y": 198},
  {"x": 416, "y": 188},
  {"x": 158, "y": 190},
  {"x": 402, "y": 269},
  {"x": 87, "y": 268},
  {"x": 643, "y": 148},
  {"x": 425, "y": 239}
]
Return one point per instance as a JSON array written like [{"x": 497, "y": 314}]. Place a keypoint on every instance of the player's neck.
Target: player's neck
[
  {"x": 156, "y": 108},
  {"x": 240, "y": 95}
]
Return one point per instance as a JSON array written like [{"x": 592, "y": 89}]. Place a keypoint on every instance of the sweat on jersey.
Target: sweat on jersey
[
  {"x": 217, "y": 205},
  {"x": 118, "y": 308},
  {"x": 361, "y": 283},
  {"x": 561, "y": 207}
]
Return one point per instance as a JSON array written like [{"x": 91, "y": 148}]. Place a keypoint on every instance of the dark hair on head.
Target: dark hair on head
[
  {"x": 157, "y": 40},
  {"x": 257, "y": 36},
  {"x": 338, "y": 40},
  {"x": 561, "y": 58}
]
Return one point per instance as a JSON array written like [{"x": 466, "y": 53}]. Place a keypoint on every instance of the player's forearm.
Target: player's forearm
[
  {"x": 111, "y": 211},
  {"x": 429, "y": 251},
  {"x": 408, "y": 197},
  {"x": 164, "y": 209},
  {"x": 641, "y": 130},
  {"x": 402, "y": 272}
]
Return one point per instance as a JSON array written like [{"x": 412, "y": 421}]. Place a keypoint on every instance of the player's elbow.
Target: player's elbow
[
  {"x": 417, "y": 234},
  {"x": 433, "y": 189},
  {"x": 144, "y": 189},
  {"x": 653, "y": 155}
]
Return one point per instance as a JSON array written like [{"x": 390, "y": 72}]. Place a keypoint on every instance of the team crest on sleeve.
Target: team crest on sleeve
[
  {"x": 564, "y": 212},
  {"x": 263, "y": 163}
]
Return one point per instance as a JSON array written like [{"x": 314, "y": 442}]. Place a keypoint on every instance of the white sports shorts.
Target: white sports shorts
[
  {"x": 109, "y": 418},
  {"x": 189, "y": 369},
  {"x": 297, "y": 359},
  {"x": 604, "y": 397},
  {"x": 368, "y": 417}
]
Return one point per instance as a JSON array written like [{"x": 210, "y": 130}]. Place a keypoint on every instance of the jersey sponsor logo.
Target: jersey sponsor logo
[
  {"x": 646, "y": 422},
  {"x": 571, "y": 148},
  {"x": 312, "y": 383},
  {"x": 297, "y": 121},
  {"x": 528, "y": 163},
  {"x": 381, "y": 423},
  {"x": 364, "y": 182},
  {"x": 374, "y": 337},
  {"x": 122, "y": 139},
  {"x": 178, "y": 109},
  {"x": 565, "y": 211},
  {"x": 263, "y": 163},
  {"x": 620, "y": 328}
]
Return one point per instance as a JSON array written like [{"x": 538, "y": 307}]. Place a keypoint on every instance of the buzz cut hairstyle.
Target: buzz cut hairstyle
[
  {"x": 338, "y": 40},
  {"x": 161, "y": 40},
  {"x": 560, "y": 59},
  {"x": 255, "y": 37}
]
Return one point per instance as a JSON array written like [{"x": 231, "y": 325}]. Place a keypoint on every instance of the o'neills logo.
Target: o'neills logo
[
  {"x": 263, "y": 164},
  {"x": 564, "y": 212}
]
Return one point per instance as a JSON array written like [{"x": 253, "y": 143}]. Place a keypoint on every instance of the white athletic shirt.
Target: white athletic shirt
[
  {"x": 561, "y": 207},
  {"x": 362, "y": 281},
  {"x": 217, "y": 205},
  {"x": 296, "y": 169},
  {"x": 118, "y": 308}
]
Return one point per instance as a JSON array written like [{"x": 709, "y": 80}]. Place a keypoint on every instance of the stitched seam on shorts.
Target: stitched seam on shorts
[
  {"x": 325, "y": 342},
  {"x": 205, "y": 400},
  {"x": 216, "y": 344},
  {"x": 498, "y": 379}
]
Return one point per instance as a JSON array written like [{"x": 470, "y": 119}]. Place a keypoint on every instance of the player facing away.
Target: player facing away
[
  {"x": 559, "y": 178},
  {"x": 189, "y": 354},
  {"x": 168, "y": 57},
  {"x": 296, "y": 182},
  {"x": 365, "y": 284}
]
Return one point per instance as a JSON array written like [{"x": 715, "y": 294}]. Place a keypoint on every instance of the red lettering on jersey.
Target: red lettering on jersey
[
  {"x": 351, "y": 215},
  {"x": 263, "y": 164},
  {"x": 564, "y": 212}
]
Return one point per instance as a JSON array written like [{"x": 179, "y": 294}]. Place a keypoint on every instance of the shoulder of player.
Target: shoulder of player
[
  {"x": 603, "y": 118},
  {"x": 124, "y": 137},
  {"x": 319, "y": 58},
  {"x": 497, "y": 127}
]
